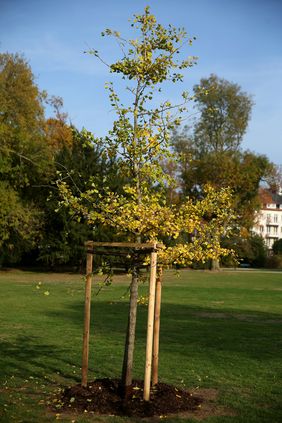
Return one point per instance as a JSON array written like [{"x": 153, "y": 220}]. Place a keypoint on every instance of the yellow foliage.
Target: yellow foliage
[
  {"x": 201, "y": 224},
  {"x": 140, "y": 137}
]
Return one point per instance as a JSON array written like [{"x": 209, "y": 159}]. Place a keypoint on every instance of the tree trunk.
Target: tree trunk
[
  {"x": 132, "y": 315},
  {"x": 215, "y": 264},
  {"x": 130, "y": 337}
]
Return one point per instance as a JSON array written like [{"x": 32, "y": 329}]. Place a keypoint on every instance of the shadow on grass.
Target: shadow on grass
[
  {"x": 251, "y": 334},
  {"x": 27, "y": 357},
  {"x": 186, "y": 332}
]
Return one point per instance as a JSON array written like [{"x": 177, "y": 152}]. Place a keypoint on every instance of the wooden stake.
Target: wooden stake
[
  {"x": 156, "y": 342},
  {"x": 150, "y": 326},
  {"x": 87, "y": 308}
]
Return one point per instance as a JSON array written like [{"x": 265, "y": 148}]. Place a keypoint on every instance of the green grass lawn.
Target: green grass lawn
[{"x": 220, "y": 334}]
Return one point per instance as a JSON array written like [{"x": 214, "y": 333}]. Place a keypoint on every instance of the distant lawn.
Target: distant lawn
[{"x": 220, "y": 336}]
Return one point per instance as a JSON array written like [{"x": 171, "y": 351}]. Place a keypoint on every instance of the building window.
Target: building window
[
  {"x": 275, "y": 230},
  {"x": 261, "y": 228},
  {"x": 268, "y": 229},
  {"x": 275, "y": 218}
]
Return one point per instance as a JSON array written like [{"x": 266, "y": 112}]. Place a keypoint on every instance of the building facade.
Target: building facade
[{"x": 269, "y": 218}]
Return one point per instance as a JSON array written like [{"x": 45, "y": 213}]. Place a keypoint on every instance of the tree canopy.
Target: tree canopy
[
  {"x": 210, "y": 152},
  {"x": 24, "y": 158},
  {"x": 140, "y": 137},
  {"x": 224, "y": 115},
  {"x": 277, "y": 246}
]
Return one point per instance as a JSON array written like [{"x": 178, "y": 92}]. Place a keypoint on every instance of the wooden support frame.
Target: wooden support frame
[
  {"x": 148, "y": 246},
  {"x": 87, "y": 311},
  {"x": 92, "y": 248},
  {"x": 150, "y": 327},
  {"x": 157, "y": 317}
]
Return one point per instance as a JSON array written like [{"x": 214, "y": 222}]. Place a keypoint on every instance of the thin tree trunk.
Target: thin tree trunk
[
  {"x": 130, "y": 337},
  {"x": 131, "y": 326}
]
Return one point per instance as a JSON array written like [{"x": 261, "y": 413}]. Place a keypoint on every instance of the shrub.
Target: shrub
[{"x": 274, "y": 262}]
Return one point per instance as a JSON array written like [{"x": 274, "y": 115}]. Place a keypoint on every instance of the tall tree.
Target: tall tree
[
  {"x": 82, "y": 164},
  {"x": 210, "y": 152},
  {"x": 24, "y": 156},
  {"x": 224, "y": 115}
]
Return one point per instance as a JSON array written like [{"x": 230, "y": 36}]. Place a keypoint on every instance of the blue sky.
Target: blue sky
[{"x": 239, "y": 40}]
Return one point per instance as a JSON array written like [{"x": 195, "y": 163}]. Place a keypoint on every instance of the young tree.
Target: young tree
[
  {"x": 141, "y": 133},
  {"x": 140, "y": 137}
]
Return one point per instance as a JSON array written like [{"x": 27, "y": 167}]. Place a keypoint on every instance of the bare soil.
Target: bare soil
[{"x": 104, "y": 396}]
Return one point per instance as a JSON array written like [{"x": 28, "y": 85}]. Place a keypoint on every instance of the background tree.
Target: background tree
[
  {"x": 241, "y": 171},
  {"x": 32, "y": 150},
  {"x": 251, "y": 250},
  {"x": 24, "y": 157},
  {"x": 81, "y": 164},
  {"x": 274, "y": 179},
  {"x": 277, "y": 247},
  {"x": 224, "y": 115},
  {"x": 210, "y": 152},
  {"x": 20, "y": 225},
  {"x": 274, "y": 261},
  {"x": 58, "y": 133}
]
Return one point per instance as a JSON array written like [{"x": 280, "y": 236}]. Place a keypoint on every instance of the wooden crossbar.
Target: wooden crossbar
[{"x": 135, "y": 245}]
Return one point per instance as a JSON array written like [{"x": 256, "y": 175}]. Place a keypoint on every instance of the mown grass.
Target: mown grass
[{"x": 219, "y": 332}]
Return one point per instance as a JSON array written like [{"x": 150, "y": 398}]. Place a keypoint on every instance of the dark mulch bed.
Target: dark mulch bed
[{"x": 103, "y": 396}]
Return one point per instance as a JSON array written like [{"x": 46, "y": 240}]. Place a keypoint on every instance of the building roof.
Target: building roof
[{"x": 269, "y": 197}]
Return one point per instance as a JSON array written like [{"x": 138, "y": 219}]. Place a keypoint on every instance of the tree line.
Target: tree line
[{"x": 36, "y": 151}]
